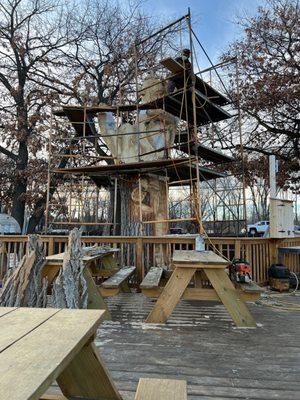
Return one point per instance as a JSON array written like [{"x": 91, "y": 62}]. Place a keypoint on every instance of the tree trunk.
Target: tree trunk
[{"x": 21, "y": 180}]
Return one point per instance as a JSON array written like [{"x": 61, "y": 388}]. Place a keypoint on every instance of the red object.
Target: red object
[{"x": 239, "y": 271}]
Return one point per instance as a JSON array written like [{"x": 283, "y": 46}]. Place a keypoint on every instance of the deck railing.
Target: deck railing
[{"x": 146, "y": 251}]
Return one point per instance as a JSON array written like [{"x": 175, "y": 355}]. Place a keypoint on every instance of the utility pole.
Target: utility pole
[{"x": 272, "y": 176}]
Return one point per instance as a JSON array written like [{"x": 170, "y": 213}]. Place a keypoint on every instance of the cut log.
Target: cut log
[
  {"x": 70, "y": 288},
  {"x": 24, "y": 285}
]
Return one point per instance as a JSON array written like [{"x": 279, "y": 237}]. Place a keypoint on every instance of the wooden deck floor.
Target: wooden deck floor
[{"x": 200, "y": 344}]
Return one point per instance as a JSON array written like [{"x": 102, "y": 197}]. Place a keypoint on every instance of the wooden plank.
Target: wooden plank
[
  {"x": 197, "y": 257},
  {"x": 198, "y": 265},
  {"x": 152, "y": 278},
  {"x": 116, "y": 280},
  {"x": 50, "y": 272},
  {"x": 29, "y": 366},
  {"x": 250, "y": 287},
  {"x": 91, "y": 251},
  {"x": 17, "y": 324},
  {"x": 176, "y": 68},
  {"x": 139, "y": 260},
  {"x": 237, "y": 248},
  {"x": 164, "y": 389},
  {"x": 201, "y": 294},
  {"x": 109, "y": 262},
  {"x": 86, "y": 376},
  {"x": 100, "y": 272},
  {"x": 95, "y": 300},
  {"x": 171, "y": 295},
  {"x": 172, "y": 65},
  {"x": 230, "y": 298},
  {"x": 6, "y": 310},
  {"x": 59, "y": 257},
  {"x": 109, "y": 292}
]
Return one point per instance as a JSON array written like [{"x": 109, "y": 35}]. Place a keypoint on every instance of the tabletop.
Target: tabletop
[
  {"x": 197, "y": 257},
  {"x": 102, "y": 253},
  {"x": 36, "y": 345}
]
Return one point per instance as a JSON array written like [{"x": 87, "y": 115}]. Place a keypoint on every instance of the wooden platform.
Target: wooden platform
[{"x": 218, "y": 361}]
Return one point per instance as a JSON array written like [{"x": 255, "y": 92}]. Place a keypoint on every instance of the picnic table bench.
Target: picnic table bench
[
  {"x": 117, "y": 282},
  {"x": 187, "y": 265},
  {"x": 40, "y": 346}
]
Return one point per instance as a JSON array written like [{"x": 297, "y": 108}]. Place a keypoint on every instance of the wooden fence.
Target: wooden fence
[{"x": 146, "y": 251}]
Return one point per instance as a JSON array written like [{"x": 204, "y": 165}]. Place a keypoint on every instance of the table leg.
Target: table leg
[
  {"x": 199, "y": 278},
  {"x": 50, "y": 272},
  {"x": 109, "y": 262},
  {"x": 230, "y": 297},
  {"x": 171, "y": 295},
  {"x": 87, "y": 377},
  {"x": 95, "y": 299}
]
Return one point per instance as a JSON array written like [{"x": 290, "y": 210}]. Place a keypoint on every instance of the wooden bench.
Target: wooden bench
[
  {"x": 148, "y": 389},
  {"x": 116, "y": 283},
  {"x": 161, "y": 389},
  {"x": 151, "y": 282},
  {"x": 249, "y": 291}
]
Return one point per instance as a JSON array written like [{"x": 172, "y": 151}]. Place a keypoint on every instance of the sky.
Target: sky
[{"x": 213, "y": 20}]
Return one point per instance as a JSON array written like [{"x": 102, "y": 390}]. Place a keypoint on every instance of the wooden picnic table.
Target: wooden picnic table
[
  {"x": 106, "y": 256},
  {"x": 187, "y": 264},
  {"x": 108, "y": 269},
  {"x": 39, "y": 346},
  {"x": 91, "y": 262}
]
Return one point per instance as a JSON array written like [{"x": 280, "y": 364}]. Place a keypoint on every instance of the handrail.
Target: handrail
[{"x": 146, "y": 251}]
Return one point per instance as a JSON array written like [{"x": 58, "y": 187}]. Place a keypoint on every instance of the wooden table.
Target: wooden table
[
  {"x": 39, "y": 346},
  {"x": 188, "y": 263},
  {"x": 54, "y": 263},
  {"x": 109, "y": 265}
]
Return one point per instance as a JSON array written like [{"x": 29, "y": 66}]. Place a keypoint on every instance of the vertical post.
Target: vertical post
[
  {"x": 115, "y": 206},
  {"x": 273, "y": 247},
  {"x": 139, "y": 259},
  {"x": 140, "y": 208},
  {"x": 47, "y": 210},
  {"x": 241, "y": 142},
  {"x": 51, "y": 246},
  {"x": 237, "y": 248},
  {"x": 137, "y": 100},
  {"x": 197, "y": 188},
  {"x": 272, "y": 176}
]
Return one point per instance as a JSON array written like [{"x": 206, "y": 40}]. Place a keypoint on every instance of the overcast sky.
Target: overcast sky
[{"x": 213, "y": 20}]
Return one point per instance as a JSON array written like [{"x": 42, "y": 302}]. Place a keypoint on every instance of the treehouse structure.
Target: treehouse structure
[{"x": 145, "y": 148}]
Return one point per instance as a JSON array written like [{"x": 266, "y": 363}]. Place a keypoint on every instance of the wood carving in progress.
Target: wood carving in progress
[{"x": 148, "y": 139}]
